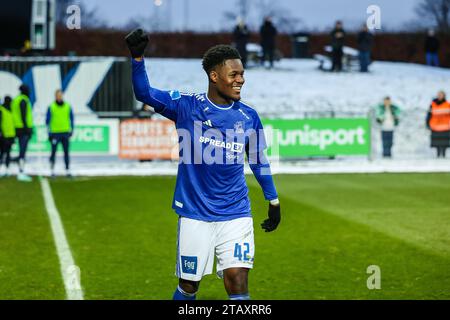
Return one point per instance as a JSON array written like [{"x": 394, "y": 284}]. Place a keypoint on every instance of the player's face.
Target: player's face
[
  {"x": 230, "y": 79},
  {"x": 59, "y": 96}
]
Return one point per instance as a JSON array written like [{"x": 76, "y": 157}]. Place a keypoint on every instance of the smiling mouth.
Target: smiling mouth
[{"x": 237, "y": 89}]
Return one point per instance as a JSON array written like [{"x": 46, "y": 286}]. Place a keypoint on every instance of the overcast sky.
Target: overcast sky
[{"x": 208, "y": 15}]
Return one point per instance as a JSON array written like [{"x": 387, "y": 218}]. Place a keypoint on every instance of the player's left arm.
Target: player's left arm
[
  {"x": 72, "y": 122},
  {"x": 260, "y": 166},
  {"x": 48, "y": 119}
]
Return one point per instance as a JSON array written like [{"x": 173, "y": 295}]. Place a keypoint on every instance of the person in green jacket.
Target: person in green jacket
[
  {"x": 7, "y": 133},
  {"x": 60, "y": 123},
  {"x": 388, "y": 116},
  {"x": 23, "y": 121}
]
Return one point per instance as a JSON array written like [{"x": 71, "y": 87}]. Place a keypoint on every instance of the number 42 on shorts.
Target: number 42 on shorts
[{"x": 242, "y": 255}]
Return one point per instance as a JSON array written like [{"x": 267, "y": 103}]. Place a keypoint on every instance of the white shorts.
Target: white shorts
[{"x": 232, "y": 242}]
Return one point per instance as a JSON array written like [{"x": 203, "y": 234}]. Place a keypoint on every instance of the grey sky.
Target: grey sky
[{"x": 208, "y": 15}]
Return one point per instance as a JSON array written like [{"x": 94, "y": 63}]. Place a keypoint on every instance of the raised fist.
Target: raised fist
[{"x": 137, "y": 41}]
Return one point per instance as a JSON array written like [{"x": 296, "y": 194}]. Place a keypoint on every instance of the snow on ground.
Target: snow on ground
[
  {"x": 110, "y": 166},
  {"x": 296, "y": 88}
]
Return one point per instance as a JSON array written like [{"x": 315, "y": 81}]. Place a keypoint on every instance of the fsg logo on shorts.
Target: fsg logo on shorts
[{"x": 189, "y": 264}]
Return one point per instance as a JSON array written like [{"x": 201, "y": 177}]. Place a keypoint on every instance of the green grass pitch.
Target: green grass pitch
[{"x": 122, "y": 233}]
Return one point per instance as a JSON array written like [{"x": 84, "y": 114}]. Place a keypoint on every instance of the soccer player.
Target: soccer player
[
  {"x": 211, "y": 198},
  {"x": 60, "y": 125}
]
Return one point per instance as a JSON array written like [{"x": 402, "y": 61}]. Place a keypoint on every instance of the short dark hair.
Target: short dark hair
[
  {"x": 24, "y": 89},
  {"x": 7, "y": 100},
  {"x": 217, "y": 55}
]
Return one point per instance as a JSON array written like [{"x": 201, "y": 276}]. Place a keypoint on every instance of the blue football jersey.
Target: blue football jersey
[{"x": 213, "y": 141}]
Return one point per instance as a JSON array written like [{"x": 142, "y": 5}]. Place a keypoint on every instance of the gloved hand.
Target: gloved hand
[
  {"x": 272, "y": 223},
  {"x": 137, "y": 41}
]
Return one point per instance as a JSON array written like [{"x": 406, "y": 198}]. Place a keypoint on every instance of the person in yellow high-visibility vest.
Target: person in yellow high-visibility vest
[
  {"x": 7, "y": 133},
  {"x": 60, "y": 123},
  {"x": 23, "y": 122}
]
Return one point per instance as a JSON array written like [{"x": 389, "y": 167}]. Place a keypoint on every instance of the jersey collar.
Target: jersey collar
[{"x": 219, "y": 107}]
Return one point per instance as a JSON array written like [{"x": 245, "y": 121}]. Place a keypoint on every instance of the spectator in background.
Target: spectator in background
[
  {"x": 7, "y": 133},
  {"x": 432, "y": 45},
  {"x": 387, "y": 116},
  {"x": 268, "y": 34},
  {"x": 241, "y": 36},
  {"x": 26, "y": 49},
  {"x": 365, "y": 41},
  {"x": 337, "y": 46},
  {"x": 438, "y": 121}
]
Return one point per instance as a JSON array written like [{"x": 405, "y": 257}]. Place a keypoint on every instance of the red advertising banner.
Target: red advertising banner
[{"x": 148, "y": 140}]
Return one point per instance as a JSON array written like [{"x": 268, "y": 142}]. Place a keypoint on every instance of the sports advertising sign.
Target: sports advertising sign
[
  {"x": 317, "y": 137},
  {"x": 96, "y": 137},
  {"x": 148, "y": 140}
]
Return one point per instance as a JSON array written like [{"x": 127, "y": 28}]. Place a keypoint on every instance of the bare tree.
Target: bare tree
[
  {"x": 158, "y": 19},
  {"x": 244, "y": 7},
  {"x": 436, "y": 10},
  {"x": 153, "y": 22},
  {"x": 230, "y": 17},
  {"x": 282, "y": 17},
  {"x": 61, "y": 14}
]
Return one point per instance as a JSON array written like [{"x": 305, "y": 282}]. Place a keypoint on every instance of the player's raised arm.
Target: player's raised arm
[{"x": 162, "y": 101}]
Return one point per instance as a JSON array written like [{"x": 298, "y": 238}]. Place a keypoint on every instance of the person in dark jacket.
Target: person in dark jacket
[
  {"x": 268, "y": 34},
  {"x": 337, "y": 46},
  {"x": 241, "y": 36},
  {"x": 7, "y": 133},
  {"x": 438, "y": 121},
  {"x": 22, "y": 112},
  {"x": 365, "y": 41},
  {"x": 432, "y": 45}
]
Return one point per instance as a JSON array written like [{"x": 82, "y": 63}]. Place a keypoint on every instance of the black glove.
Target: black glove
[
  {"x": 137, "y": 41},
  {"x": 274, "y": 218}
]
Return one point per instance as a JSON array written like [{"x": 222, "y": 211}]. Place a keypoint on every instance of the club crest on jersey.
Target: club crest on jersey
[
  {"x": 230, "y": 156},
  {"x": 239, "y": 127}
]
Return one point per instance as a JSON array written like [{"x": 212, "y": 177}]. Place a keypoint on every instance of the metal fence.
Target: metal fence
[{"x": 114, "y": 95}]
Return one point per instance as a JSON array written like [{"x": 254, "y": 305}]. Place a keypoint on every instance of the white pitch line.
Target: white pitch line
[{"x": 70, "y": 272}]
